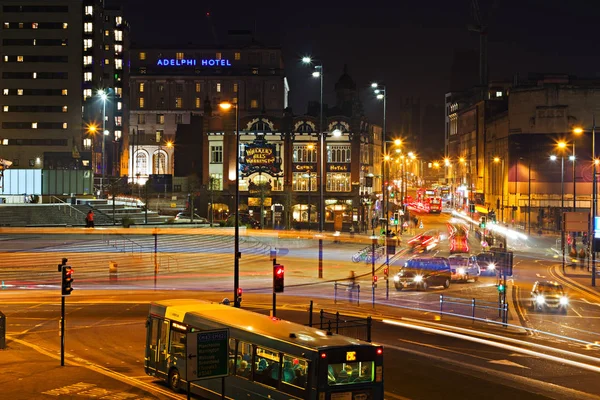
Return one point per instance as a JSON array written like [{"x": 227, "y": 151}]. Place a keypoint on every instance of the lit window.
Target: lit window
[
  {"x": 498, "y": 94},
  {"x": 142, "y": 86},
  {"x": 142, "y": 102},
  {"x": 118, "y": 20},
  {"x": 119, "y": 92},
  {"x": 5, "y": 108},
  {"x": 119, "y": 36},
  {"x": 178, "y": 102},
  {"x": 119, "y": 105},
  {"x": 198, "y": 87},
  {"x": 65, "y": 25},
  {"x": 34, "y": 75},
  {"x": 142, "y": 56},
  {"x": 89, "y": 10},
  {"x": 87, "y": 60},
  {"x": 6, "y": 25},
  {"x": 118, "y": 120},
  {"x": 34, "y": 25},
  {"x": 106, "y": 61},
  {"x": 65, "y": 108},
  {"x": 19, "y": 92},
  {"x": 160, "y": 118},
  {"x": 218, "y": 56},
  {"x": 254, "y": 71},
  {"x": 64, "y": 92},
  {"x": 19, "y": 58},
  {"x": 88, "y": 27},
  {"x": 34, "y": 125},
  {"x": 5, "y": 92},
  {"x": 106, "y": 33},
  {"x": 87, "y": 44},
  {"x": 235, "y": 88},
  {"x": 65, "y": 125},
  {"x": 5, "y": 58},
  {"x": 118, "y": 48},
  {"x": 218, "y": 87},
  {"x": 107, "y": 47},
  {"x": 179, "y": 56},
  {"x": 118, "y": 63},
  {"x": 87, "y": 93},
  {"x": 216, "y": 154},
  {"x": 87, "y": 76},
  {"x": 118, "y": 135},
  {"x": 20, "y": 25},
  {"x": 237, "y": 56},
  {"x": 197, "y": 102},
  {"x": 253, "y": 103}
]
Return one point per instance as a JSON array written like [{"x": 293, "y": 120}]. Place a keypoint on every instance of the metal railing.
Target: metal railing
[
  {"x": 359, "y": 328},
  {"x": 473, "y": 305},
  {"x": 350, "y": 288},
  {"x": 66, "y": 207}
]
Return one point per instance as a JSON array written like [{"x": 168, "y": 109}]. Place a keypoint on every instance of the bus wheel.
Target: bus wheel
[{"x": 174, "y": 379}]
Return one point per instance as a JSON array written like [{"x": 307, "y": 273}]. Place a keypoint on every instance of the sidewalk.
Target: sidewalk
[
  {"x": 31, "y": 372},
  {"x": 581, "y": 278}
]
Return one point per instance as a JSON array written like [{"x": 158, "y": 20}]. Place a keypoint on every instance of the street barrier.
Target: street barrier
[
  {"x": 359, "y": 328},
  {"x": 350, "y": 288},
  {"x": 473, "y": 304}
]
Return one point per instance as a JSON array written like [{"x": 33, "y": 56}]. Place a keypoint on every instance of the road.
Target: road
[{"x": 107, "y": 333}]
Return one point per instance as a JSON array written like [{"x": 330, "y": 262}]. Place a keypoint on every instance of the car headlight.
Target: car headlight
[
  {"x": 396, "y": 278},
  {"x": 540, "y": 299},
  {"x": 491, "y": 266},
  {"x": 564, "y": 301},
  {"x": 418, "y": 278},
  {"x": 461, "y": 271}
]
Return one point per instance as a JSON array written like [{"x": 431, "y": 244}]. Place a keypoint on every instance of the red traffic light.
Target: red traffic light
[
  {"x": 239, "y": 291},
  {"x": 375, "y": 278},
  {"x": 279, "y": 270},
  {"x": 386, "y": 271},
  {"x": 278, "y": 278}
]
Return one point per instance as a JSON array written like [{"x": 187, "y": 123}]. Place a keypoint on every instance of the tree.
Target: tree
[
  {"x": 263, "y": 191},
  {"x": 212, "y": 188},
  {"x": 289, "y": 200}
]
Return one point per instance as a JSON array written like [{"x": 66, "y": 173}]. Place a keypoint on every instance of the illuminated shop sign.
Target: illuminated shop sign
[
  {"x": 190, "y": 62},
  {"x": 338, "y": 167},
  {"x": 303, "y": 167},
  {"x": 261, "y": 157}
]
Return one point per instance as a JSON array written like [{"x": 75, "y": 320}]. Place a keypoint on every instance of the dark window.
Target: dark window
[
  {"x": 35, "y": 109},
  {"x": 15, "y": 162},
  {"x": 37, "y": 142},
  {"x": 38, "y": 75},
  {"x": 36, "y": 9},
  {"x": 39, "y": 25},
  {"x": 37, "y": 92},
  {"x": 28, "y": 125},
  {"x": 61, "y": 59},
  {"x": 34, "y": 42}
]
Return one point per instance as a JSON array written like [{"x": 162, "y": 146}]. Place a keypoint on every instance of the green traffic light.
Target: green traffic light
[{"x": 501, "y": 288}]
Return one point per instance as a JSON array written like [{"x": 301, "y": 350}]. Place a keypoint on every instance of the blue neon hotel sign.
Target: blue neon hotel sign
[{"x": 190, "y": 62}]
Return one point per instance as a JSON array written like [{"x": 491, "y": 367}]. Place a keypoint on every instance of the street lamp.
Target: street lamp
[
  {"x": 318, "y": 73},
  {"x": 381, "y": 93},
  {"x": 225, "y": 106},
  {"x": 103, "y": 96},
  {"x": 497, "y": 160}
]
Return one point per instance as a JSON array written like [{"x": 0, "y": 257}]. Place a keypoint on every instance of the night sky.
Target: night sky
[{"x": 409, "y": 45}]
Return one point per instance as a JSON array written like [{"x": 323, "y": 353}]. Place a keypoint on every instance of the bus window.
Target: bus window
[
  {"x": 244, "y": 368},
  {"x": 232, "y": 357},
  {"x": 177, "y": 345},
  {"x": 266, "y": 363},
  {"x": 294, "y": 371},
  {"x": 353, "y": 372}
]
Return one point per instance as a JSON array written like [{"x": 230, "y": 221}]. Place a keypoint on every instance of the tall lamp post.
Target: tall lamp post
[
  {"x": 318, "y": 73},
  {"x": 103, "y": 96},
  {"x": 381, "y": 93},
  {"x": 236, "y": 252}
]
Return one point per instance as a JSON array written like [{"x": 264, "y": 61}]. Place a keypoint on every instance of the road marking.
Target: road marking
[
  {"x": 395, "y": 396},
  {"x": 508, "y": 362},
  {"x": 541, "y": 276},
  {"x": 575, "y": 311},
  {"x": 445, "y": 349}
]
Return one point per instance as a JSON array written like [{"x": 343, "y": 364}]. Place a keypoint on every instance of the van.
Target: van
[
  {"x": 464, "y": 268},
  {"x": 422, "y": 272}
]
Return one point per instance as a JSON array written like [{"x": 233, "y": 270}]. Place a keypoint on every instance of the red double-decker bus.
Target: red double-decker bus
[{"x": 434, "y": 204}]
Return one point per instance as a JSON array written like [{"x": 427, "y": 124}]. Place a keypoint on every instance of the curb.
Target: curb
[{"x": 557, "y": 271}]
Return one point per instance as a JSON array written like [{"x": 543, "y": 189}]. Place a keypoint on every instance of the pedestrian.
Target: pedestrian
[{"x": 89, "y": 219}]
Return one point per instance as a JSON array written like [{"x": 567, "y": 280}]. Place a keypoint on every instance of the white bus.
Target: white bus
[{"x": 269, "y": 358}]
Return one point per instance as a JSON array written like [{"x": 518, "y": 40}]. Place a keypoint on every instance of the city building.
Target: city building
[
  {"x": 169, "y": 86},
  {"x": 55, "y": 55}
]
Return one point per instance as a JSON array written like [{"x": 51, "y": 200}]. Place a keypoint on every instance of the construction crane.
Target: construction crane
[{"x": 480, "y": 27}]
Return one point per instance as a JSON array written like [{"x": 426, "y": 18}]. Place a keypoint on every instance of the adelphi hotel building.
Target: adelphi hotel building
[{"x": 179, "y": 130}]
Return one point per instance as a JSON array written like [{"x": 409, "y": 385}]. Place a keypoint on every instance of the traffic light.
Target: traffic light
[
  {"x": 472, "y": 207},
  {"x": 278, "y": 278},
  {"x": 483, "y": 222},
  {"x": 386, "y": 272},
  {"x": 64, "y": 262},
  {"x": 374, "y": 279},
  {"x": 392, "y": 195},
  {"x": 501, "y": 288},
  {"x": 67, "y": 280},
  {"x": 239, "y": 295}
]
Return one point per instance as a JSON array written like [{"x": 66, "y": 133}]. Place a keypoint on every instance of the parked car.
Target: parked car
[
  {"x": 186, "y": 217},
  {"x": 244, "y": 220},
  {"x": 422, "y": 272},
  {"x": 464, "y": 268},
  {"x": 547, "y": 295}
]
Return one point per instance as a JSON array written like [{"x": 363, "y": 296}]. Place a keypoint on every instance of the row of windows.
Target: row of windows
[
  {"x": 302, "y": 183},
  {"x": 34, "y": 125},
  {"x": 48, "y": 59},
  {"x": 35, "y": 42},
  {"x": 35, "y": 75},
  {"x": 305, "y": 153},
  {"x": 34, "y": 92},
  {"x": 35, "y": 142},
  {"x": 36, "y": 9},
  {"x": 197, "y": 102},
  {"x": 36, "y": 25},
  {"x": 198, "y": 86},
  {"x": 48, "y": 109},
  {"x": 336, "y": 182}
]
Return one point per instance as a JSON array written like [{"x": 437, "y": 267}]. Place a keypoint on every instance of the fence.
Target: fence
[
  {"x": 359, "y": 328},
  {"x": 463, "y": 304},
  {"x": 350, "y": 288}
]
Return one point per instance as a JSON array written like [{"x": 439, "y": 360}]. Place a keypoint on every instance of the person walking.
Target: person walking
[{"x": 89, "y": 219}]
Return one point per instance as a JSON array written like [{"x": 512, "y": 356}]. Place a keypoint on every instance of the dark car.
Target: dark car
[
  {"x": 487, "y": 263},
  {"x": 546, "y": 295},
  {"x": 244, "y": 220},
  {"x": 423, "y": 272}
]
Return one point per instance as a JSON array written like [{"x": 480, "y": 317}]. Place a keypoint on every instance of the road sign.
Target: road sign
[
  {"x": 405, "y": 224},
  {"x": 421, "y": 226},
  {"x": 207, "y": 354}
]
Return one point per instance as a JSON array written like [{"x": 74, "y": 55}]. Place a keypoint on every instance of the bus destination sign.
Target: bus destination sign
[{"x": 207, "y": 354}]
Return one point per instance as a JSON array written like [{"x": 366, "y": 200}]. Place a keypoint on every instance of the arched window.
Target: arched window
[
  {"x": 260, "y": 126},
  {"x": 159, "y": 163},
  {"x": 305, "y": 128},
  {"x": 141, "y": 163}
]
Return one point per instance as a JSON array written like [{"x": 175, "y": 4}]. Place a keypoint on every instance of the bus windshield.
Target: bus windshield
[{"x": 350, "y": 372}]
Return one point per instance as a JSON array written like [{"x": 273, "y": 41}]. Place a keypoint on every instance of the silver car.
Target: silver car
[{"x": 464, "y": 268}]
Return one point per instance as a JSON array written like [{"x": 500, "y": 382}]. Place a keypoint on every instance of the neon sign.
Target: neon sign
[{"x": 189, "y": 62}]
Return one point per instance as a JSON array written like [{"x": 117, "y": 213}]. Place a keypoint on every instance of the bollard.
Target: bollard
[
  {"x": 2, "y": 331},
  {"x": 335, "y": 293},
  {"x": 441, "y": 305},
  {"x": 310, "y": 314},
  {"x": 358, "y": 295},
  {"x": 113, "y": 269},
  {"x": 473, "y": 307}
]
